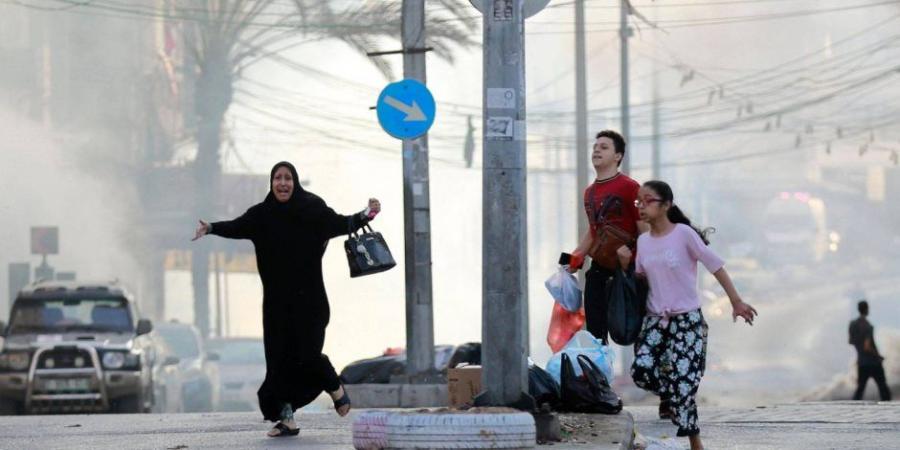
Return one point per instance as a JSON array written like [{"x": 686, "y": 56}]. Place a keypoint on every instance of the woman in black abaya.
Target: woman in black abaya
[{"x": 290, "y": 230}]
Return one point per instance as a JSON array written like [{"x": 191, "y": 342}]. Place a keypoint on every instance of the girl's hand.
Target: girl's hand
[
  {"x": 202, "y": 230},
  {"x": 743, "y": 310},
  {"x": 624, "y": 256}
]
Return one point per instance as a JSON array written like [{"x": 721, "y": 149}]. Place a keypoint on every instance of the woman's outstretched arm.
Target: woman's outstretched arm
[{"x": 240, "y": 228}]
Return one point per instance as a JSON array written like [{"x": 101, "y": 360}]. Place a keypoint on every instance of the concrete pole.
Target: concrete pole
[
  {"x": 624, "y": 34},
  {"x": 581, "y": 121},
  {"x": 656, "y": 126},
  {"x": 504, "y": 229},
  {"x": 657, "y": 175},
  {"x": 417, "y": 213}
]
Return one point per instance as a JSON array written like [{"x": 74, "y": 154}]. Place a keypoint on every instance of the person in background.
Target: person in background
[{"x": 868, "y": 360}]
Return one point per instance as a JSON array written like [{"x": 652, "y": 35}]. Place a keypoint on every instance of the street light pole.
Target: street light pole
[
  {"x": 624, "y": 34},
  {"x": 504, "y": 231},
  {"x": 581, "y": 125}
]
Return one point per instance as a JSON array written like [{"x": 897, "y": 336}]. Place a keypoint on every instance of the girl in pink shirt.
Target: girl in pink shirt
[{"x": 670, "y": 353}]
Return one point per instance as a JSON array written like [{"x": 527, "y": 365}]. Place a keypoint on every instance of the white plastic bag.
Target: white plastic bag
[
  {"x": 583, "y": 343},
  {"x": 563, "y": 287}
]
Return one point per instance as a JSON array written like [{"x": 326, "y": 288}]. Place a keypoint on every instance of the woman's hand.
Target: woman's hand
[
  {"x": 202, "y": 230},
  {"x": 373, "y": 209},
  {"x": 624, "y": 254},
  {"x": 744, "y": 311}
]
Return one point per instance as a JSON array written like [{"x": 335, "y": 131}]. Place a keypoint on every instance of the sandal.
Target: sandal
[
  {"x": 343, "y": 401},
  {"x": 284, "y": 430}
]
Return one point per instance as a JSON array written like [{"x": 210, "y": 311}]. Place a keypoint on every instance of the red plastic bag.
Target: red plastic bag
[{"x": 563, "y": 325}]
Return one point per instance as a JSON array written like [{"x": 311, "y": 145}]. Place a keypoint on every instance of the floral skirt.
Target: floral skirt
[{"x": 669, "y": 360}]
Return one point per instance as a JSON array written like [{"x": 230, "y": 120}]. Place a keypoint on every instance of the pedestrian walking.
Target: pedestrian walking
[
  {"x": 670, "y": 353},
  {"x": 613, "y": 219},
  {"x": 868, "y": 360},
  {"x": 290, "y": 230}
]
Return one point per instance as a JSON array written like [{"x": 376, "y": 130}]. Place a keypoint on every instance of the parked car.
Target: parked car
[
  {"x": 242, "y": 368},
  {"x": 196, "y": 386},
  {"x": 379, "y": 369},
  {"x": 166, "y": 380},
  {"x": 75, "y": 348}
]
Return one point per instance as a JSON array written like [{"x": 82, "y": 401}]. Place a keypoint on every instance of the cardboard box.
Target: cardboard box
[{"x": 463, "y": 384}]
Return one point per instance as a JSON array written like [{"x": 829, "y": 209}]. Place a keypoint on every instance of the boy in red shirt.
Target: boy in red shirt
[{"x": 610, "y": 207}]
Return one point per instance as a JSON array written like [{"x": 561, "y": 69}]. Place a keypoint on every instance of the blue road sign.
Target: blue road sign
[{"x": 405, "y": 109}]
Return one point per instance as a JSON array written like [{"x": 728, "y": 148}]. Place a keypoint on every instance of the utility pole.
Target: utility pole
[
  {"x": 624, "y": 34},
  {"x": 581, "y": 125},
  {"x": 504, "y": 326},
  {"x": 655, "y": 162},
  {"x": 417, "y": 212}
]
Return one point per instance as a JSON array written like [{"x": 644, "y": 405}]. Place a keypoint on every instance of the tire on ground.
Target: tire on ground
[
  {"x": 462, "y": 430},
  {"x": 370, "y": 430}
]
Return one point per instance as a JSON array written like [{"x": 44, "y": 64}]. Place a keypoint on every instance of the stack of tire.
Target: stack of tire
[{"x": 376, "y": 430}]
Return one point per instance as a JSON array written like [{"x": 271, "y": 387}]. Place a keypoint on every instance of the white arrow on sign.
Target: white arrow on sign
[{"x": 413, "y": 113}]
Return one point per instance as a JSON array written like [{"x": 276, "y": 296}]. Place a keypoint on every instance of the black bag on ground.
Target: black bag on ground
[
  {"x": 367, "y": 253},
  {"x": 588, "y": 393},
  {"x": 627, "y": 303},
  {"x": 543, "y": 388}
]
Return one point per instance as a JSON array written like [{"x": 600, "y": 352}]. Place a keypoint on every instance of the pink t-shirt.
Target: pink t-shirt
[{"x": 670, "y": 264}]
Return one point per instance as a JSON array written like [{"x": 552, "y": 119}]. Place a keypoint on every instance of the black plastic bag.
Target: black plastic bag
[
  {"x": 625, "y": 308},
  {"x": 543, "y": 388},
  {"x": 588, "y": 393}
]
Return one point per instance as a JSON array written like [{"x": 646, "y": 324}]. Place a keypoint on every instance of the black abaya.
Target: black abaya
[{"x": 290, "y": 239}]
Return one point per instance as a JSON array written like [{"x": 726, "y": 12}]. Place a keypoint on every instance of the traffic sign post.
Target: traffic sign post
[
  {"x": 406, "y": 109},
  {"x": 44, "y": 240}
]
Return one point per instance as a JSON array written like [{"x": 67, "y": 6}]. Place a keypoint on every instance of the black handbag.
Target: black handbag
[
  {"x": 627, "y": 304},
  {"x": 367, "y": 253},
  {"x": 588, "y": 393}
]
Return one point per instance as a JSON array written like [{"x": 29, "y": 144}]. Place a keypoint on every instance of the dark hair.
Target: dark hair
[
  {"x": 618, "y": 141},
  {"x": 863, "y": 307},
  {"x": 674, "y": 214}
]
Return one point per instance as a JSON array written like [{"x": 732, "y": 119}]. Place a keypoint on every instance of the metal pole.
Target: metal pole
[
  {"x": 417, "y": 213},
  {"x": 581, "y": 125},
  {"x": 656, "y": 125},
  {"x": 624, "y": 33},
  {"x": 504, "y": 325}
]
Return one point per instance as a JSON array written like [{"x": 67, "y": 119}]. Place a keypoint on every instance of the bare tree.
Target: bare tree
[{"x": 225, "y": 36}]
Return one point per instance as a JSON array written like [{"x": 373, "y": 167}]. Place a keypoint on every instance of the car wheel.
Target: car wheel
[{"x": 502, "y": 429}]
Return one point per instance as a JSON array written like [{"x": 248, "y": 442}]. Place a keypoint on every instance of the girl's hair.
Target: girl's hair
[{"x": 674, "y": 214}]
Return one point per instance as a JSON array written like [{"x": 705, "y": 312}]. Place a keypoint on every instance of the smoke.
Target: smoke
[{"x": 46, "y": 182}]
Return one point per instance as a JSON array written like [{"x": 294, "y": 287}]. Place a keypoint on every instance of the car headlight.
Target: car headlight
[
  {"x": 15, "y": 360},
  {"x": 113, "y": 360}
]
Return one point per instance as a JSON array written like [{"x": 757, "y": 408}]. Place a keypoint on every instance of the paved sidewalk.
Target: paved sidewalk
[
  {"x": 319, "y": 431},
  {"x": 797, "y": 426}
]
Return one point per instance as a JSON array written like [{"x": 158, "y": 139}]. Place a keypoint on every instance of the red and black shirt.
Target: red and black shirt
[{"x": 612, "y": 201}]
